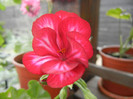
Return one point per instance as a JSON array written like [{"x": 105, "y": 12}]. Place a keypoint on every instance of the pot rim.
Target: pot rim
[
  {"x": 110, "y": 94},
  {"x": 111, "y": 57},
  {"x": 15, "y": 62}
]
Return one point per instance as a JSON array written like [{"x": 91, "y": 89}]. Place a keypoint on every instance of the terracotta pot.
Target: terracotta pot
[
  {"x": 25, "y": 76},
  {"x": 119, "y": 64}
]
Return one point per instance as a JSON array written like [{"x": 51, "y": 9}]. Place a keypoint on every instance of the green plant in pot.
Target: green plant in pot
[
  {"x": 121, "y": 14},
  {"x": 118, "y": 57}
]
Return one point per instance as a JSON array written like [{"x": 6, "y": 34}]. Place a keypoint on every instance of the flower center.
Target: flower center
[
  {"x": 62, "y": 54},
  {"x": 62, "y": 51},
  {"x": 28, "y": 7}
]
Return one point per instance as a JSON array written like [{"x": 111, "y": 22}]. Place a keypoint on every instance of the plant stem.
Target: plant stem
[
  {"x": 132, "y": 37},
  {"x": 86, "y": 92},
  {"x": 120, "y": 36},
  {"x": 50, "y": 6}
]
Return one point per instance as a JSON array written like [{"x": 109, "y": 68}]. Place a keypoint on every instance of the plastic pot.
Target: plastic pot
[
  {"x": 113, "y": 89},
  {"x": 25, "y": 76}
]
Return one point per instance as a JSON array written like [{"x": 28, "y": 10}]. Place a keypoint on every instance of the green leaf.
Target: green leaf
[
  {"x": 1, "y": 68},
  {"x": 3, "y": 46},
  {"x": 118, "y": 13},
  {"x": 12, "y": 93},
  {"x": 1, "y": 28},
  {"x": 18, "y": 47},
  {"x": 2, "y": 7},
  {"x": 1, "y": 40},
  {"x": 62, "y": 94},
  {"x": 70, "y": 86},
  {"x": 86, "y": 92},
  {"x": 43, "y": 79},
  {"x": 4, "y": 63},
  {"x": 18, "y": 94},
  {"x": 5, "y": 95},
  {"x": 2, "y": 23},
  {"x": 131, "y": 33},
  {"x": 36, "y": 91},
  {"x": 114, "y": 12},
  {"x": 17, "y": 1},
  {"x": 125, "y": 16}
]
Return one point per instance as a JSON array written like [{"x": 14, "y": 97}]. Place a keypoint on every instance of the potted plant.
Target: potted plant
[
  {"x": 61, "y": 50},
  {"x": 118, "y": 57}
]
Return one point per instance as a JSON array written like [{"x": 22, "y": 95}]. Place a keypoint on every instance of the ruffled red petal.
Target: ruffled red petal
[
  {"x": 76, "y": 52},
  {"x": 64, "y": 79},
  {"x": 58, "y": 66},
  {"x": 45, "y": 42},
  {"x": 85, "y": 43},
  {"x": 34, "y": 62},
  {"x": 46, "y": 21},
  {"x": 64, "y": 14},
  {"x": 75, "y": 24}
]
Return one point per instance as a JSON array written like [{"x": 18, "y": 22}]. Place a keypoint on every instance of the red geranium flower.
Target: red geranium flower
[{"x": 61, "y": 48}]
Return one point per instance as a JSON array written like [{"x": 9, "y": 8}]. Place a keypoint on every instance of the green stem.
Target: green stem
[
  {"x": 57, "y": 97},
  {"x": 62, "y": 94},
  {"x": 132, "y": 43},
  {"x": 126, "y": 47},
  {"x": 50, "y": 6},
  {"x": 86, "y": 92},
  {"x": 121, "y": 46},
  {"x": 121, "y": 39}
]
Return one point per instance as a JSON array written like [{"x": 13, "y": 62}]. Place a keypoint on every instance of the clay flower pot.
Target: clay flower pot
[
  {"x": 25, "y": 76},
  {"x": 112, "y": 89}
]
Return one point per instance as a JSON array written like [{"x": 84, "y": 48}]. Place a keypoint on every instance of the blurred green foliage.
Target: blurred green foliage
[
  {"x": 35, "y": 91},
  {"x": 6, "y": 3},
  {"x": 17, "y": 1},
  {"x": 2, "y": 7},
  {"x": 1, "y": 36}
]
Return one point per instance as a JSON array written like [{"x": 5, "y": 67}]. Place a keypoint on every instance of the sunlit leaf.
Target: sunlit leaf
[
  {"x": 131, "y": 33},
  {"x": 17, "y": 1},
  {"x": 1, "y": 68},
  {"x": 18, "y": 47},
  {"x": 1, "y": 28},
  {"x": 118, "y": 13},
  {"x": 1, "y": 40},
  {"x": 2, "y": 7},
  {"x": 125, "y": 16},
  {"x": 3, "y": 46}
]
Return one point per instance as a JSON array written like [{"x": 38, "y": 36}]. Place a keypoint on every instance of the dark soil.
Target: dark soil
[
  {"x": 117, "y": 55},
  {"x": 20, "y": 61}
]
